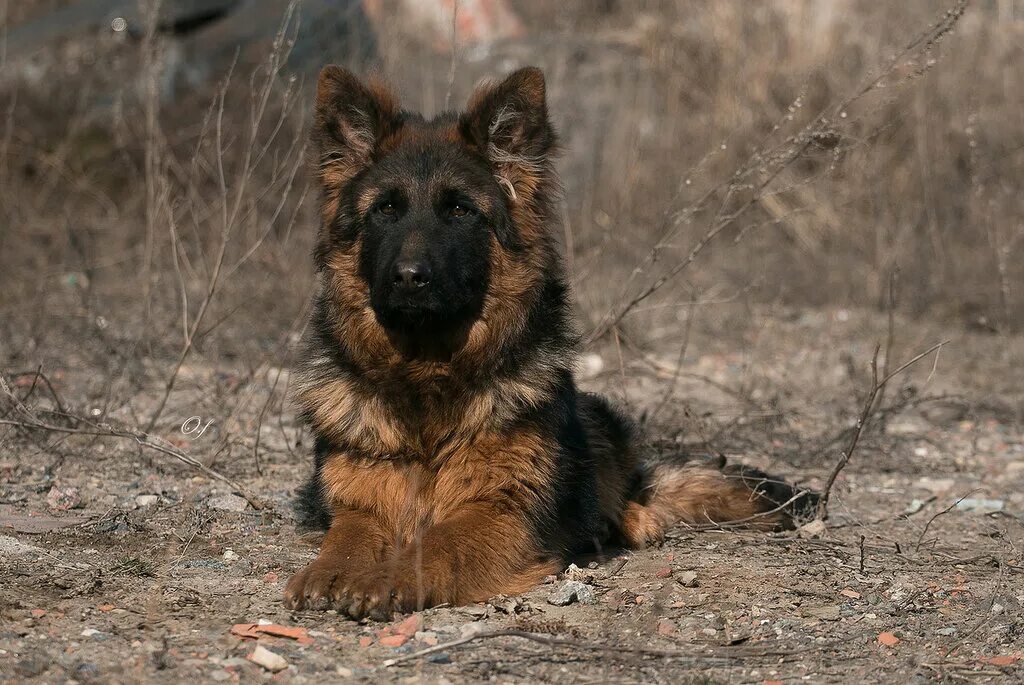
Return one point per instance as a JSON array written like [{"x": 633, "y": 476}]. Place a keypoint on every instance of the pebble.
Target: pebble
[
  {"x": 427, "y": 637},
  {"x": 980, "y": 505},
  {"x": 394, "y": 640},
  {"x": 220, "y": 675},
  {"x": 272, "y": 661},
  {"x": 227, "y": 503},
  {"x": 687, "y": 579},
  {"x": 146, "y": 500},
  {"x": 63, "y": 499},
  {"x": 814, "y": 529},
  {"x": 410, "y": 626},
  {"x": 571, "y": 591}
]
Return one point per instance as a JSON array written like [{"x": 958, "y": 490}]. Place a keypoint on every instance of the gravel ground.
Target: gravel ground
[{"x": 120, "y": 564}]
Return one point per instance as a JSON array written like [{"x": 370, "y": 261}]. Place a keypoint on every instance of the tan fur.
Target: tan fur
[{"x": 452, "y": 530}]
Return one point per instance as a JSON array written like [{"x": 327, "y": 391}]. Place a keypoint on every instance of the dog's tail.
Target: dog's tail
[{"x": 706, "y": 492}]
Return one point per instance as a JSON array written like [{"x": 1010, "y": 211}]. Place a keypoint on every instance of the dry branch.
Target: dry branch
[
  {"x": 865, "y": 415},
  {"x": 28, "y": 420}
]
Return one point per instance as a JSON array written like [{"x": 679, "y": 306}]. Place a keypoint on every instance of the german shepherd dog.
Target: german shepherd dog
[{"x": 455, "y": 457}]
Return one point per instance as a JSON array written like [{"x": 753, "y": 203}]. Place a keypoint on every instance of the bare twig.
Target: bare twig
[
  {"x": 951, "y": 507},
  {"x": 876, "y": 387},
  {"x": 30, "y": 421},
  {"x": 550, "y": 640}
]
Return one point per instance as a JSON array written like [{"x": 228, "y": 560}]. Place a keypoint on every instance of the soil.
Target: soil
[{"x": 121, "y": 564}]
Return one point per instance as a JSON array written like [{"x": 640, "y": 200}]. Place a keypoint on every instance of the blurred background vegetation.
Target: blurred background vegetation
[{"x": 841, "y": 153}]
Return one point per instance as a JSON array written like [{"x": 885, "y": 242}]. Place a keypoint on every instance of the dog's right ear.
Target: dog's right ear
[{"x": 351, "y": 120}]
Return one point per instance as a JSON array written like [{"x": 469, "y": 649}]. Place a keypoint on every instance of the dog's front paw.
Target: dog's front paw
[
  {"x": 319, "y": 585},
  {"x": 380, "y": 592}
]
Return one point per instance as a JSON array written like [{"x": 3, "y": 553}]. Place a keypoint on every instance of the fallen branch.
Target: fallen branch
[
  {"x": 865, "y": 415},
  {"x": 30, "y": 421},
  {"x": 578, "y": 644}
]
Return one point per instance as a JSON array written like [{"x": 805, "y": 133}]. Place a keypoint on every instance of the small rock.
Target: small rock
[
  {"x": 410, "y": 626},
  {"x": 365, "y": 640},
  {"x": 441, "y": 658},
  {"x": 507, "y": 605},
  {"x": 814, "y": 529},
  {"x": 272, "y": 661},
  {"x": 146, "y": 500},
  {"x": 574, "y": 572},
  {"x": 948, "y": 631},
  {"x": 220, "y": 675},
  {"x": 915, "y": 506},
  {"x": 90, "y": 632},
  {"x": 937, "y": 486},
  {"x": 473, "y": 628},
  {"x": 663, "y": 572},
  {"x": 394, "y": 640},
  {"x": 828, "y": 613},
  {"x": 344, "y": 671},
  {"x": 687, "y": 579},
  {"x": 227, "y": 503},
  {"x": 427, "y": 637},
  {"x": 888, "y": 639},
  {"x": 62, "y": 499},
  {"x": 571, "y": 591},
  {"x": 666, "y": 627},
  {"x": 31, "y": 666},
  {"x": 229, "y": 555},
  {"x": 980, "y": 505}
]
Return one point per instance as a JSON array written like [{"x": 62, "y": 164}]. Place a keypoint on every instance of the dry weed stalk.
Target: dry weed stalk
[
  {"x": 756, "y": 178},
  {"x": 27, "y": 419},
  {"x": 237, "y": 193},
  {"x": 877, "y": 386}
]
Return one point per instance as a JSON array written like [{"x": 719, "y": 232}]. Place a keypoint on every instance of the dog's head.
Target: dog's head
[{"x": 417, "y": 209}]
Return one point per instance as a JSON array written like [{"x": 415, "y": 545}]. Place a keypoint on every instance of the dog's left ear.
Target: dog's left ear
[{"x": 508, "y": 123}]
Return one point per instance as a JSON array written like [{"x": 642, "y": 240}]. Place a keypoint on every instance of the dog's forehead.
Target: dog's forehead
[{"x": 425, "y": 159}]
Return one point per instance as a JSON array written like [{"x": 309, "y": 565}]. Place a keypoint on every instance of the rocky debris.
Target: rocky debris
[
  {"x": 227, "y": 503},
  {"x": 11, "y": 547},
  {"x": 63, "y": 499},
  {"x": 272, "y": 661},
  {"x": 146, "y": 500},
  {"x": 814, "y": 529},
  {"x": 571, "y": 591},
  {"x": 687, "y": 579}
]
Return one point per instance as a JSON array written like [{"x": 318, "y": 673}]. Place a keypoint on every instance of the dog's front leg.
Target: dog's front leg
[
  {"x": 355, "y": 542},
  {"x": 481, "y": 550}
]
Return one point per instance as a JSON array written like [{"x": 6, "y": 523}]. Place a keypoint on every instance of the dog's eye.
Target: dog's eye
[
  {"x": 387, "y": 209},
  {"x": 457, "y": 211}
]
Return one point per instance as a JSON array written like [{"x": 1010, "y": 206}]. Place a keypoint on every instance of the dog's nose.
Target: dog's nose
[{"x": 411, "y": 275}]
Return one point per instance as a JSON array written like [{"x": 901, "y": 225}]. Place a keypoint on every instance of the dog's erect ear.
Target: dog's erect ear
[
  {"x": 508, "y": 123},
  {"x": 351, "y": 120}
]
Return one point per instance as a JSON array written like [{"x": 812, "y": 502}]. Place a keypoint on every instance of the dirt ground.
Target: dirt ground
[{"x": 120, "y": 564}]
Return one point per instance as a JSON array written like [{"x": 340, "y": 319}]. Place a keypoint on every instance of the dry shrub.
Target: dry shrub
[{"x": 117, "y": 201}]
